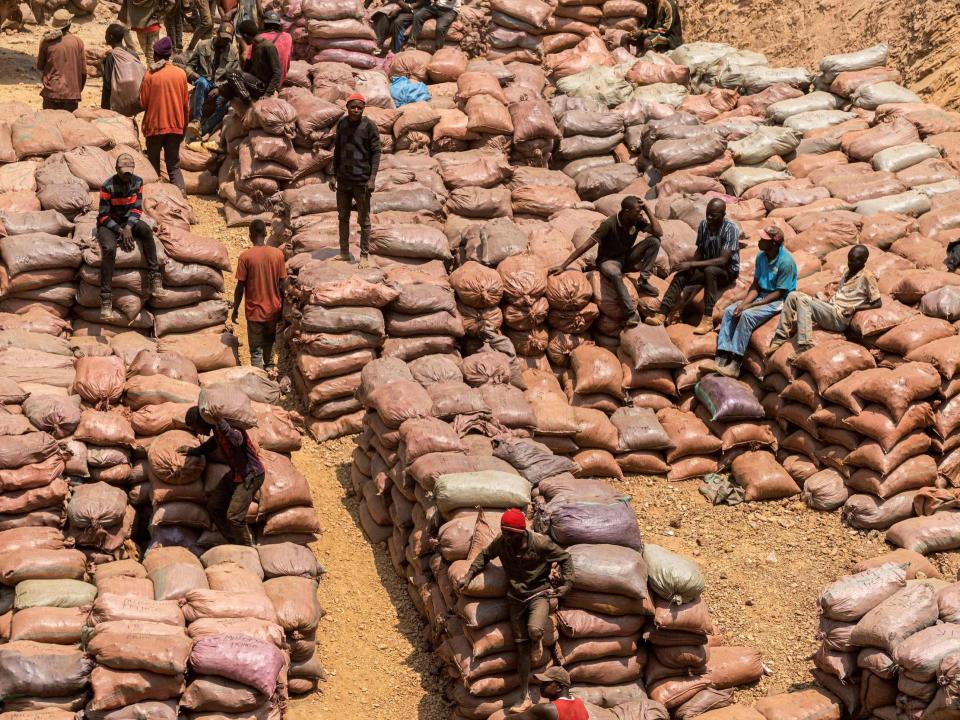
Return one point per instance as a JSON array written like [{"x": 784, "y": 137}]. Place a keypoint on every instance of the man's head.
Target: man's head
[
  {"x": 631, "y": 209},
  {"x": 857, "y": 259},
  {"x": 248, "y": 30},
  {"x": 163, "y": 48},
  {"x": 771, "y": 240},
  {"x": 716, "y": 212},
  {"x": 62, "y": 20},
  {"x": 355, "y": 105},
  {"x": 125, "y": 166},
  {"x": 114, "y": 34},
  {"x": 195, "y": 422},
  {"x": 224, "y": 35},
  {"x": 513, "y": 527},
  {"x": 554, "y": 682},
  {"x": 271, "y": 20},
  {"x": 258, "y": 232}
]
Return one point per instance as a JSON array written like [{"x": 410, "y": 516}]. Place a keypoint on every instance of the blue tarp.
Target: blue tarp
[{"x": 405, "y": 91}]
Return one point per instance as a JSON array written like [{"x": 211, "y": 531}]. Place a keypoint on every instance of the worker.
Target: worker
[
  {"x": 444, "y": 11},
  {"x": 262, "y": 61},
  {"x": 356, "y": 160},
  {"x": 206, "y": 68},
  {"x": 283, "y": 41},
  {"x": 204, "y": 27},
  {"x": 63, "y": 64},
  {"x": 120, "y": 220},
  {"x": 230, "y": 500},
  {"x": 619, "y": 252},
  {"x": 261, "y": 275},
  {"x": 715, "y": 266},
  {"x": 856, "y": 290},
  {"x": 662, "y": 30},
  {"x": 173, "y": 24},
  {"x": 774, "y": 277},
  {"x": 165, "y": 99},
  {"x": 528, "y": 559},
  {"x": 391, "y": 20},
  {"x": 122, "y": 75},
  {"x": 555, "y": 687},
  {"x": 144, "y": 17}
]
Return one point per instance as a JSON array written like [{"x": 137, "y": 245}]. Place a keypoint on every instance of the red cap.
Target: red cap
[
  {"x": 357, "y": 96},
  {"x": 513, "y": 520}
]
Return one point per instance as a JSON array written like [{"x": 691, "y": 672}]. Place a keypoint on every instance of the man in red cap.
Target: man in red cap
[
  {"x": 527, "y": 559},
  {"x": 555, "y": 687},
  {"x": 356, "y": 159}
]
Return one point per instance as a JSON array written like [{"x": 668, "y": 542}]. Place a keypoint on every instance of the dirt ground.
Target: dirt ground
[{"x": 764, "y": 563}]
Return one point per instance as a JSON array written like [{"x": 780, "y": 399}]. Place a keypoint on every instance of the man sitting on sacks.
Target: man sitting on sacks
[
  {"x": 662, "y": 30},
  {"x": 619, "y": 251},
  {"x": 120, "y": 221},
  {"x": 528, "y": 558},
  {"x": 555, "y": 687},
  {"x": 774, "y": 277},
  {"x": 715, "y": 267},
  {"x": 856, "y": 290}
]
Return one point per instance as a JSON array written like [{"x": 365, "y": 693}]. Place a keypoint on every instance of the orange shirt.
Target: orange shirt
[
  {"x": 165, "y": 100},
  {"x": 260, "y": 268}
]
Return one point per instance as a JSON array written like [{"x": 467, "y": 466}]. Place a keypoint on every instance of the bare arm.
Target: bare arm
[
  {"x": 576, "y": 254},
  {"x": 656, "y": 229},
  {"x": 721, "y": 261},
  {"x": 541, "y": 711},
  {"x": 237, "y": 299}
]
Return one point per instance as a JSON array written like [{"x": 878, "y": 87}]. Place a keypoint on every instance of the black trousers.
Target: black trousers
[
  {"x": 228, "y": 505},
  {"x": 68, "y": 105},
  {"x": 714, "y": 281},
  {"x": 169, "y": 145},
  {"x": 347, "y": 195},
  {"x": 444, "y": 18},
  {"x": 641, "y": 258},
  {"x": 108, "y": 254}
]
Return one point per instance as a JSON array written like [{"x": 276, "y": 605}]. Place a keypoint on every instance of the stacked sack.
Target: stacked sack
[
  {"x": 332, "y": 31},
  {"x": 515, "y": 30},
  {"x": 423, "y": 320},
  {"x": 335, "y": 330},
  {"x": 888, "y": 637},
  {"x": 434, "y": 491}
]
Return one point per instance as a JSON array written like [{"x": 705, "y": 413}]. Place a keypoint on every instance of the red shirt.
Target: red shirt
[
  {"x": 283, "y": 42},
  {"x": 571, "y": 709},
  {"x": 165, "y": 100},
  {"x": 260, "y": 269}
]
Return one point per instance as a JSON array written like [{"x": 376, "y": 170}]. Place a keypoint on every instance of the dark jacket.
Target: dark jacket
[
  {"x": 209, "y": 62},
  {"x": 120, "y": 204},
  {"x": 264, "y": 64},
  {"x": 356, "y": 152}
]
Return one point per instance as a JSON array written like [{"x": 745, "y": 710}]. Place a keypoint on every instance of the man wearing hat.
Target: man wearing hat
[
  {"x": 856, "y": 290},
  {"x": 165, "y": 100},
  {"x": 528, "y": 559},
  {"x": 208, "y": 65},
  {"x": 119, "y": 222},
  {"x": 356, "y": 160},
  {"x": 282, "y": 41},
  {"x": 61, "y": 60},
  {"x": 774, "y": 277},
  {"x": 555, "y": 687}
]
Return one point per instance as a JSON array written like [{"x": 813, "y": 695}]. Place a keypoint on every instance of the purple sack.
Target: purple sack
[
  {"x": 596, "y": 523},
  {"x": 727, "y": 399},
  {"x": 239, "y": 658}
]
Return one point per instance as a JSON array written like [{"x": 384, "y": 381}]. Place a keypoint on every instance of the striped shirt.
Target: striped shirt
[
  {"x": 120, "y": 203},
  {"x": 710, "y": 244}
]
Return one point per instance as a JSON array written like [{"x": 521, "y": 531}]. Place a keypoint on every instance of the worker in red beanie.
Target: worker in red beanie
[
  {"x": 528, "y": 559},
  {"x": 356, "y": 160}
]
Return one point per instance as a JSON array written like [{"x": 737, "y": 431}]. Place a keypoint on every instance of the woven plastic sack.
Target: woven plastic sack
[
  {"x": 491, "y": 489},
  {"x": 672, "y": 577}
]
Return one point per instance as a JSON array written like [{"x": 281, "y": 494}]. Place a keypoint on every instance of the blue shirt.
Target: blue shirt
[
  {"x": 779, "y": 274},
  {"x": 711, "y": 244}
]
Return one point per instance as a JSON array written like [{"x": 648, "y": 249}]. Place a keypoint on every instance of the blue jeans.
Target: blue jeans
[
  {"x": 734, "y": 335},
  {"x": 202, "y": 88}
]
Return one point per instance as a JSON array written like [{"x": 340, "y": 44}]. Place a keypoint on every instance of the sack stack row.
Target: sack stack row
[
  {"x": 435, "y": 470},
  {"x": 233, "y": 631}
]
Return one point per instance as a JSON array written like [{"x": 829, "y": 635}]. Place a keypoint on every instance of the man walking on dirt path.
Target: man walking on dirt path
[
  {"x": 123, "y": 75},
  {"x": 62, "y": 62},
  {"x": 261, "y": 275},
  {"x": 715, "y": 267},
  {"x": 356, "y": 160},
  {"x": 230, "y": 500},
  {"x": 528, "y": 559},
  {"x": 555, "y": 687},
  {"x": 165, "y": 100},
  {"x": 119, "y": 221},
  {"x": 619, "y": 251},
  {"x": 857, "y": 290},
  {"x": 774, "y": 277}
]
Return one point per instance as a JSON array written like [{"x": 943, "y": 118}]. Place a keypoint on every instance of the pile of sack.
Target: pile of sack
[{"x": 435, "y": 467}]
